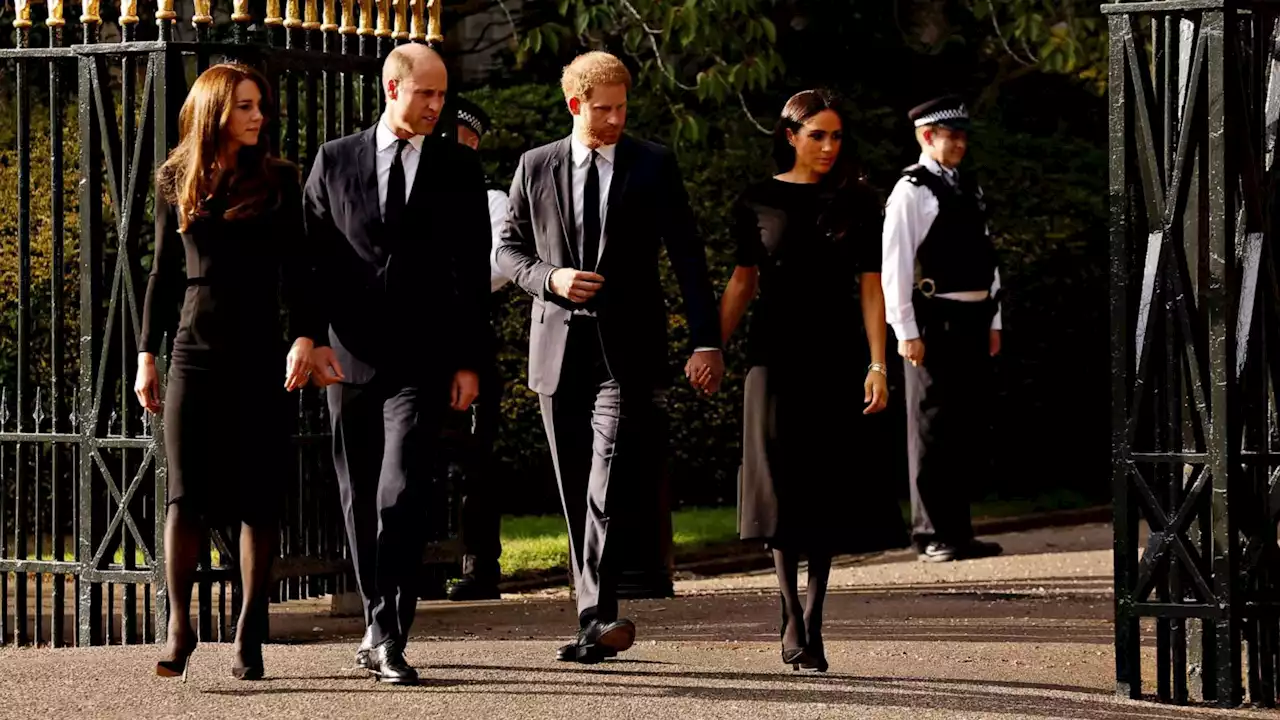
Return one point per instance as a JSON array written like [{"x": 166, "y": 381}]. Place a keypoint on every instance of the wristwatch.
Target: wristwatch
[{"x": 877, "y": 367}]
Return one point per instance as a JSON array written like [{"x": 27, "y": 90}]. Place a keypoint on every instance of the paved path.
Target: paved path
[{"x": 1027, "y": 635}]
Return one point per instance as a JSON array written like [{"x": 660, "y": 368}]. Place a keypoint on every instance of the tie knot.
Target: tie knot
[
  {"x": 594, "y": 154},
  {"x": 401, "y": 144}
]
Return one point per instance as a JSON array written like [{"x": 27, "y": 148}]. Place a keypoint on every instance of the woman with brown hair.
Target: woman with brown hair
[
  {"x": 233, "y": 213},
  {"x": 808, "y": 241}
]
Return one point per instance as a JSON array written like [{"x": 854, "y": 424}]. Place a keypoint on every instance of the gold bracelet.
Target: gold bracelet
[{"x": 877, "y": 367}]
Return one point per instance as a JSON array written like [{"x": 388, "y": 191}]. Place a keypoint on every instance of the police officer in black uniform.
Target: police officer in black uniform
[
  {"x": 942, "y": 290},
  {"x": 481, "y": 515}
]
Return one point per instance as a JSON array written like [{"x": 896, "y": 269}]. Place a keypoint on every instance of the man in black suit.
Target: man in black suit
[
  {"x": 588, "y": 216},
  {"x": 401, "y": 225}
]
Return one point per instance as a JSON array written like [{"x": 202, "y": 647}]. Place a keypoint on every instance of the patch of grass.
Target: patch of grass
[{"x": 536, "y": 543}]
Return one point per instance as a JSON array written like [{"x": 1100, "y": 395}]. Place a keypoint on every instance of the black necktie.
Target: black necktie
[
  {"x": 591, "y": 217},
  {"x": 395, "y": 189}
]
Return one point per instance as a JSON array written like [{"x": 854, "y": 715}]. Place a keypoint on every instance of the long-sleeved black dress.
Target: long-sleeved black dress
[
  {"x": 226, "y": 412},
  {"x": 810, "y": 480}
]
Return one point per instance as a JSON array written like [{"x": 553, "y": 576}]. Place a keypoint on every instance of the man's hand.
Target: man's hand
[
  {"x": 466, "y": 386},
  {"x": 995, "y": 343},
  {"x": 705, "y": 370},
  {"x": 912, "y": 351},
  {"x": 297, "y": 365},
  {"x": 325, "y": 368},
  {"x": 575, "y": 285}
]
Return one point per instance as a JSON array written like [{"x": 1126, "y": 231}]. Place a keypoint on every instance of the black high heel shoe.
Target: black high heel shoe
[
  {"x": 795, "y": 657},
  {"x": 248, "y": 663},
  {"x": 178, "y": 665},
  {"x": 815, "y": 655}
]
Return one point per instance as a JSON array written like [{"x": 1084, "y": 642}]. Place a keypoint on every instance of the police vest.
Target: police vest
[{"x": 957, "y": 255}]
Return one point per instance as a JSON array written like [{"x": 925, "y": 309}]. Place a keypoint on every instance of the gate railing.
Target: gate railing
[
  {"x": 1195, "y": 299},
  {"x": 82, "y": 469}
]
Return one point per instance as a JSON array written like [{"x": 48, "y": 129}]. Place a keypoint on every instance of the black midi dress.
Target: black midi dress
[
  {"x": 812, "y": 476},
  {"x": 227, "y": 416}
]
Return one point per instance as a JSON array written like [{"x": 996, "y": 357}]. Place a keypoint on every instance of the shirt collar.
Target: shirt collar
[
  {"x": 385, "y": 138},
  {"x": 935, "y": 167},
  {"x": 581, "y": 153}
]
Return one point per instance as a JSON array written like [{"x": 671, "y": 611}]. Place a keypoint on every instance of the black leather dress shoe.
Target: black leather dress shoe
[
  {"x": 975, "y": 549},
  {"x": 387, "y": 663},
  {"x": 362, "y": 653},
  {"x": 473, "y": 588},
  {"x": 599, "y": 641}
]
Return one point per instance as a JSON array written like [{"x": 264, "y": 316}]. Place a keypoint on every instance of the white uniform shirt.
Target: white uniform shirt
[
  {"x": 909, "y": 214},
  {"x": 498, "y": 204}
]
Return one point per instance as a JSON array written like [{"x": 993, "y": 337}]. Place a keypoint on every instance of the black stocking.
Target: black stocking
[
  {"x": 182, "y": 535},
  {"x": 787, "y": 564},
  {"x": 819, "y": 573},
  {"x": 257, "y": 545}
]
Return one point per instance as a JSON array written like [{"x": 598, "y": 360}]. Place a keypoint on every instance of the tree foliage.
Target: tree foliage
[{"x": 1055, "y": 36}]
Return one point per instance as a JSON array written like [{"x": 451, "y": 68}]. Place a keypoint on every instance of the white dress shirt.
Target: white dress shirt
[
  {"x": 909, "y": 214},
  {"x": 385, "y": 142},
  {"x": 498, "y": 204}
]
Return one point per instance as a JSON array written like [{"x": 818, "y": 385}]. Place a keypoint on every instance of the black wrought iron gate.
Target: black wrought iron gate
[
  {"x": 1194, "y": 114},
  {"x": 82, "y": 472}
]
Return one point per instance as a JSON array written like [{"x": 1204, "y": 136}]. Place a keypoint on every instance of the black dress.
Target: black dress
[
  {"x": 226, "y": 412},
  {"x": 810, "y": 480}
]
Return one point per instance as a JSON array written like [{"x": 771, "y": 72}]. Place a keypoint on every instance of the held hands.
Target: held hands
[
  {"x": 147, "y": 384},
  {"x": 575, "y": 285},
  {"x": 297, "y": 365},
  {"x": 877, "y": 390},
  {"x": 326, "y": 370},
  {"x": 912, "y": 351},
  {"x": 705, "y": 370},
  {"x": 466, "y": 386}
]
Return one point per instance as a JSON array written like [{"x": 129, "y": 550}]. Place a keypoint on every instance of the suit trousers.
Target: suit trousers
[
  {"x": 600, "y": 435},
  {"x": 481, "y": 513},
  {"x": 385, "y": 434},
  {"x": 947, "y": 423}
]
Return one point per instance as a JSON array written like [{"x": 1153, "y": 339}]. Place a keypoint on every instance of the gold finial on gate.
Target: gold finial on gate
[
  {"x": 164, "y": 11},
  {"x": 240, "y": 11},
  {"x": 312, "y": 19},
  {"x": 23, "y": 17},
  {"x": 402, "y": 19},
  {"x": 273, "y": 17},
  {"x": 203, "y": 14},
  {"x": 418, "y": 18},
  {"x": 348, "y": 17},
  {"x": 384, "y": 19},
  {"x": 129, "y": 12},
  {"x": 89, "y": 12},
  {"x": 292, "y": 14},
  {"x": 434, "y": 32},
  {"x": 366, "y": 17},
  {"x": 330, "y": 16},
  {"x": 55, "y": 19}
]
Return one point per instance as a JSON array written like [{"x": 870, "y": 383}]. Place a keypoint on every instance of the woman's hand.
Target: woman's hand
[
  {"x": 147, "y": 385},
  {"x": 877, "y": 392},
  {"x": 297, "y": 366}
]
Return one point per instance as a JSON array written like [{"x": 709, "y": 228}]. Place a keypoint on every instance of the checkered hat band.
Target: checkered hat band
[
  {"x": 471, "y": 121},
  {"x": 941, "y": 115}
]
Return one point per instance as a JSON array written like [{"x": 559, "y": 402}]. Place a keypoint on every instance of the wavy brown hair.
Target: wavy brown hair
[{"x": 190, "y": 178}]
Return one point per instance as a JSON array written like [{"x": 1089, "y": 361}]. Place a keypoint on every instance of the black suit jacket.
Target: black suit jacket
[
  {"x": 647, "y": 207},
  {"x": 410, "y": 304}
]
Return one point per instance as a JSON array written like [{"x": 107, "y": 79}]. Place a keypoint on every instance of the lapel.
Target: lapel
[
  {"x": 623, "y": 159},
  {"x": 366, "y": 161},
  {"x": 562, "y": 170}
]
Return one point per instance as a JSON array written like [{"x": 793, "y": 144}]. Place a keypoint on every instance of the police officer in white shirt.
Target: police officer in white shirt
[
  {"x": 481, "y": 518},
  {"x": 942, "y": 289}
]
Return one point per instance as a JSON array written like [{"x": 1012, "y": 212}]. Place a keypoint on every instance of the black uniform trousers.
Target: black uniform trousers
[
  {"x": 385, "y": 435},
  {"x": 947, "y": 398},
  {"x": 481, "y": 513},
  {"x": 600, "y": 435}
]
